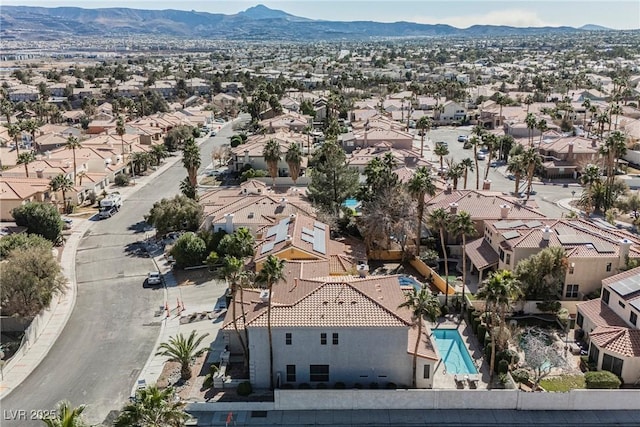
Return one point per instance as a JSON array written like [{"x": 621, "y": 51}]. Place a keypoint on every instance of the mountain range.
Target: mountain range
[{"x": 256, "y": 23}]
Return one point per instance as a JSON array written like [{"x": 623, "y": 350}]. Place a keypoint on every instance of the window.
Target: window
[
  {"x": 579, "y": 319},
  {"x": 621, "y": 304},
  {"x": 608, "y": 266},
  {"x": 323, "y": 339},
  {"x": 427, "y": 372},
  {"x": 605, "y": 295},
  {"x": 501, "y": 255},
  {"x": 633, "y": 318},
  {"x": 335, "y": 339},
  {"x": 287, "y": 338},
  {"x": 572, "y": 291},
  {"x": 571, "y": 268},
  {"x": 319, "y": 373},
  {"x": 594, "y": 354},
  {"x": 291, "y": 373},
  {"x": 508, "y": 260},
  {"x": 612, "y": 364}
]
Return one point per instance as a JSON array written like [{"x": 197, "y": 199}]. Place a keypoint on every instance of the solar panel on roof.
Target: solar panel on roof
[
  {"x": 307, "y": 238},
  {"x": 572, "y": 239},
  {"x": 510, "y": 235},
  {"x": 533, "y": 224},
  {"x": 318, "y": 240},
  {"x": 307, "y": 231},
  {"x": 515, "y": 224},
  {"x": 635, "y": 304},
  {"x": 283, "y": 230},
  {"x": 626, "y": 286},
  {"x": 272, "y": 231},
  {"x": 501, "y": 224},
  {"x": 266, "y": 248},
  {"x": 565, "y": 231},
  {"x": 603, "y": 247}
]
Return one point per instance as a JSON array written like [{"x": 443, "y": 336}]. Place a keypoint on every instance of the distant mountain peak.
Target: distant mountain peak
[
  {"x": 261, "y": 11},
  {"x": 593, "y": 27}
]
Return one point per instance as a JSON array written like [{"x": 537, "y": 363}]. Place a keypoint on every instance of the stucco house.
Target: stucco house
[{"x": 610, "y": 326}]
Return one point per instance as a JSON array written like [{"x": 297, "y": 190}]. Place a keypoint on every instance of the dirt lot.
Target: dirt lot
[{"x": 193, "y": 277}]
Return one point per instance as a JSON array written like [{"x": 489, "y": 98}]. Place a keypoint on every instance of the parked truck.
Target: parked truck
[{"x": 110, "y": 205}]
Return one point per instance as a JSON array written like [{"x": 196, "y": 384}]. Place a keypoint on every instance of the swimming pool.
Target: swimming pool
[
  {"x": 456, "y": 357},
  {"x": 410, "y": 281},
  {"x": 351, "y": 203}
]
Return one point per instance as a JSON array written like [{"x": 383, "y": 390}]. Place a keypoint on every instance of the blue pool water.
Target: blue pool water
[
  {"x": 409, "y": 281},
  {"x": 453, "y": 351},
  {"x": 351, "y": 203}
]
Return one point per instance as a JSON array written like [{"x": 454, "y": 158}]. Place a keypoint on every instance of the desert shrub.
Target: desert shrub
[
  {"x": 121, "y": 180},
  {"x": 503, "y": 366},
  {"x": 244, "y": 389},
  {"x": 601, "y": 379},
  {"x": 304, "y": 386},
  {"x": 340, "y": 385},
  {"x": 208, "y": 381},
  {"x": 520, "y": 375}
]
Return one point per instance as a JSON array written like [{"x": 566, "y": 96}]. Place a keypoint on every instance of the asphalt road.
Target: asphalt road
[{"x": 112, "y": 329}]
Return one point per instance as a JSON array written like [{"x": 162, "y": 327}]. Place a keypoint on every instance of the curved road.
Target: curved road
[{"x": 112, "y": 329}]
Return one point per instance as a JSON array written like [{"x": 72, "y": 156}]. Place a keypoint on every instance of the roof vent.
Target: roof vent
[
  {"x": 504, "y": 211},
  {"x": 362, "y": 269},
  {"x": 546, "y": 233},
  {"x": 264, "y": 295}
]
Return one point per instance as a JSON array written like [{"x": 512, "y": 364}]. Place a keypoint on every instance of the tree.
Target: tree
[
  {"x": 191, "y": 160},
  {"x": 22, "y": 241},
  {"x": 294, "y": 160},
  {"x": 15, "y": 131},
  {"x": 158, "y": 153},
  {"x": 532, "y": 160},
  {"x": 153, "y": 407},
  {"x": 183, "y": 350},
  {"x": 30, "y": 278},
  {"x": 477, "y": 131},
  {"x": 462, "y": 225},
  {"x": 441, "y": 150},
  {"x": 6, "y": 109},
  {"x": 423, "y": 305},
  {"x": 179, "y": 213},
  {"x": 542, "y": 275},
  {"x": 63, "y": 184},
  {"x": 188, "y": 190},
  {"x": 332, "y": 180},
  {"x": 32, "y": 127},
  {"x": 419, "y": 186},
  {"x": 455, "y": 172},
  {"x": 439, "y": 219},
  {"x": 232, "y": 269},
  {"x": 42, "y": 219},
  {"x": 467, "y": 164},
  {"x": 72, "y": 144},
  {"x": 120, "y": 130},
  {"x": 379, "y": 178},
  {"x": 541, "y": 125},
  {"x": 239, "y": 244},
  {"x": 189, "y": 250},
  {"x": 492, "y": 143},
  {"x": 518, "y": 169},
  {"x": 177, "y": 136},
  {"x": 424, "y": 125},
  {"x": 66, "y": 416},
  {"x": 271, "y": 154},
  {"x": 531, "y": 122},
  {"x": 272, "y": 272},
  {"x": 539, "y": 355},
  {"x": 25, "y": 158}
]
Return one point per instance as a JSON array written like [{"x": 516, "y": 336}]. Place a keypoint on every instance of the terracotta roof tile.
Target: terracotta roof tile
[
  {"x": 600, "y": 314},
  {"x": 481, "y": 253},
  {"x": 624, "y": 341},
  {"x": 426, "y": 349}
]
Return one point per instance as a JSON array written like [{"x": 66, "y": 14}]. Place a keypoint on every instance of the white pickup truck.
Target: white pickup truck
[{"x": 110, "y": 205}]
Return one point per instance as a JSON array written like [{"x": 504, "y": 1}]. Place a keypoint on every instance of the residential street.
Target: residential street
[{"x": 112, "y": 329}]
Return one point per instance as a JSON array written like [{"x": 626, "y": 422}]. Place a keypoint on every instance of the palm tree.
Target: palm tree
[
  {"x": 6, "y": 109},
  {"x": 424, "y": 124},
  {"x": 158, "y": 152},
  {"x": 455, "y": 172},
  {"x": 61, "y": 183},
  {"x": 518, "y": 168},
  {"x": 531, "y": 159},
  {"x": 423, "y": 305},
  {"x": 15, "y": 131},
  {"x": 441, "y": 150},
  {"x": 271, "y": 154},
  {"x": 153, "y": 407},
  {"x": 294, "y": 159},
  {"x": 477, "y": 132},
  {"x": 462, "y": 225},
  {"x": 541, "y": 125},
  {"x": 25, "y": 158},
  {"x": 232, "y": 269},
  {"x": 272, "y": 272},
  {"x": 586, "y": 104},
  {"x": 66, "y": 416},
  {"x": 497, "y": 291},
  {"x": 439, "y": 219},
  {"x": 32, "y": 127},
  {"x": 121, "y": 130},
  {"x": 191, "y": 160},
  {"x": 419, "y": 186},
  {"x": 530, "y": 120},
  {"x": 467, "y": 164},
  {"x": 528, "y": 100},
  {"x": 72, "y": 144},
  {"x": 492, "y": 143},
  {"x": 502, "y": 100},
  {"x": 183, "y": 350}
]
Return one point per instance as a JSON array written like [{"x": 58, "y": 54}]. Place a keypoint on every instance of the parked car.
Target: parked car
[
  {"x": 154, "y": 278},
  {"x": 463, "y": 138},
  {"x": 481, "y": 156},
  {"x": 67, "y": 223}
]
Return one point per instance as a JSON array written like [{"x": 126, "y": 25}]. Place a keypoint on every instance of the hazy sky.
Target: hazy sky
[{"x": 612, "y": 14}]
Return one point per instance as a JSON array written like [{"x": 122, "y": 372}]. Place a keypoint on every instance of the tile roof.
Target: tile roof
[
  {"x": 482, "y": 204},
  {"x": 481, "y": 253},
  {"x": 623, "y": 341},
  {"x": 600, "y": 314},
  {"x": 426, "y": 350},
  {"x": 301, "y": 232}
]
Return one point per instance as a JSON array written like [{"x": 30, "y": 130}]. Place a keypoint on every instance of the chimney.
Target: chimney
[
  {"x": 246, "y": 157},
  {"x": 453, "y": 208},
  {"x": 486, "y": 184},
  {"x": 448, "y": 189},
  {"x": 594, "y": 143},
  {"x": 504, "y": 211},
  {"x": 546, "y": 233},
  {"x": 47, "y": 155},
  {"x": 283, "y": 202},
  {"x": 228, "y": 227},
  {"x": 625, "y": 248},
  {"x": 363, "y": 269},
  {"x": 288, "y": 240},
  {"x": 264, "y": 295},
  {"x": 569, "y": 150},
  {"x": 40, "y": 173},
  {"x": 292, "y": 217}
]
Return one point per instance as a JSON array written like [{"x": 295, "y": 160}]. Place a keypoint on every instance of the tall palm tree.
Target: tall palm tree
[
  {"x": 25, "y": 158},
  {"x": 528, "y": 100},
  {"x": 232, "y": 269},
  {"x": 63, "y": 184},
  {"x": 153, "y": 407},
  {"x": 419, "y": 186},
  {"x": 271, "y": 154},
  {"x": 424, "y": 124},
  {"x": 441, "y": 150},
  {"x": 518, "y": 168},
  {"x": 541, "y": 125},
  {"x": 586, "y": 104},
  {"x": 191, "y": 160},
  {"x": 66, "y": 416},
  {"x": 294, "y": 159},
  {"x": 492, "y": 143},
  {"x": 272, "y": 272},
  {"x": 530, "y": 120},
  {"x": 15, "y": 131},
  {"x": 532, "y": 159},
  {"x": 158, "y": 152},
  {"x": 183, "y": 350},
  {"x": 439, "y": 219},
  {"x": 32, "y": 127},
  {"x": 121, "y": 130},
  {"x": 477, "y": 132},
  {"x": 6, "y": 109},
  {"x": 455, "y": 172},
  {"x": 462, "y": 225},
  {"x": 467, "y": 164},
  {"x": 423, "y": 305},
  {"x": 72, "y": 144}
]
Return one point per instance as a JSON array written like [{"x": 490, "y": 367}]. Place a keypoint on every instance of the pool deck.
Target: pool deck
[{"x": 445, "y": 380}]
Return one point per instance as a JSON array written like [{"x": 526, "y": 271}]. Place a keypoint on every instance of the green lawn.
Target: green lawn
[{"x": 563, "y": 383}]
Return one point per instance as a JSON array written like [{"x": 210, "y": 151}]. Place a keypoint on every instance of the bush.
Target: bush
[
  {"x": 304, "y": 386},
  {"x": 189, "y": 250},
  {"x": 373, "y": 386},
  {"x": 244, "y": 389},
  {"x": 444, "y": 310},
  {"x": 601, "y": 379},
  {"x": 42, "y": 219},
  {"x": 391, "y": 386},
  {"x": 487, "y": 349},
  {"x": 503, "y": 377},
  {"x": 321, "y": 386},
  {"x": 503, "y": 366},
  {"x": 208, "y": 382},
  {"x": 340, "y": 385},
  {"x": 482, "y": 330},
  {"x": 520, "y": 375},
  {"x": 121, "y": 180},
  {"x": 511, "y": 356}
]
